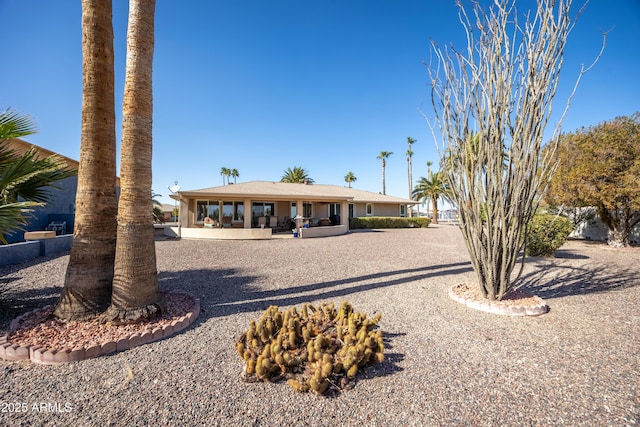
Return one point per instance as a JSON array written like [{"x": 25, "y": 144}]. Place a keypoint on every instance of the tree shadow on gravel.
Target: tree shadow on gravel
[
  {"x": 550, "y": 280},
  {"x": 569, "y": 254},
  {"x": 6, "y": 270},
  {"x": 16, "y": 303},
  {"x": 225, "y": 292}
]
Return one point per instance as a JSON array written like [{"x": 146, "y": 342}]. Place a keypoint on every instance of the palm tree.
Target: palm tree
[
  {"x": 296, "y": 175},
  {"x": 433, "y": 188},
  {"x": 225, "y": 172},
  {"x": 24, "y": 178},
  {"x": 349, "y": 178},
  {"x": 234, "y": 174},
  {"x": 384, "y": 155},
  {"x": 410, "y": 142},
  {"x": 157, "y": 207},
  {"x": 427, "y": 202},
  {"x": 89, "y": 275},
  {"x": 136, "y": 295}
]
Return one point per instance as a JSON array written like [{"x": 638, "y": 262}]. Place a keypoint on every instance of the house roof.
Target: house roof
[{"x": 268, "y": 190}]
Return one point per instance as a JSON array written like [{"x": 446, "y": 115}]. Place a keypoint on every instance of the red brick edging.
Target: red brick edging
[
  {"x": 47, "y": 356},
  {"x": 495, "y": 307}
]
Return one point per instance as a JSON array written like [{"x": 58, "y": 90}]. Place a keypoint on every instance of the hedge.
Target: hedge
[{"x": 388, "y": 222}]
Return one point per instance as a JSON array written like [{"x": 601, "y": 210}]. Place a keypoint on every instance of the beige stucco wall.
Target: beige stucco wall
[
  {"x": 379, "y": 209},
  {"x": 219, "y": 233}
]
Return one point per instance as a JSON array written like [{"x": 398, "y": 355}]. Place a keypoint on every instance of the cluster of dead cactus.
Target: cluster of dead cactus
[{"x": 317, "y": 348}]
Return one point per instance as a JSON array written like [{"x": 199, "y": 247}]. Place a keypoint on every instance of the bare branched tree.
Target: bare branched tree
[{"x": 492, "y": 103}]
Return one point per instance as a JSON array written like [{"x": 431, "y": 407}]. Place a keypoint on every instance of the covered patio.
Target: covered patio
[{"x": 262, "y": 209}]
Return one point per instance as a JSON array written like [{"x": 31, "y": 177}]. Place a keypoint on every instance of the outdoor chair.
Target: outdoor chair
[
  {"x": 285, "y": 225},
  {"x": 273, "y": 222},
  {"x": 226, "y": 221},
  {"x": 262, "y": 221}
]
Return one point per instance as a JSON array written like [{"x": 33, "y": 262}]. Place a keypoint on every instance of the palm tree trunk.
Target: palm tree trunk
[
  {"x": 136, "y": 294},
  {"x": 435, "y": 210},
  {"x": 410, "y": 172},
  {"x": 384, "y": 190},
  {"x": 87, "y": 285}
]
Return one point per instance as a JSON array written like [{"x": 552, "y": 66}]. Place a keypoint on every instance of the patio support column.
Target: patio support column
[
  {"x": 183, "y": 213},
  {"x": 344, "y": 214},
  {"x": 247, "y": 213},
  {"x": 300, "y": 208}
]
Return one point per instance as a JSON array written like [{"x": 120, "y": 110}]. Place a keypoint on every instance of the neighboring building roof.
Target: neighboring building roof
[
  {"x": 167, "y": 207},
  {"x": 20, "y": 146},
  {"x": 279, "y": 190}
]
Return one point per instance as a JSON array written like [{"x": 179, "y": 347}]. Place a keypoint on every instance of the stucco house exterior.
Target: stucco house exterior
[{"x": 258, "y": 209}]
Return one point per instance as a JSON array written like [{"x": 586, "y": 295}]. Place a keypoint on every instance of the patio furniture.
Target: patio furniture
[
  {"x": 262, "y": 221},
  {"x": 226, "y": 221},
  {"x": 323, "y": 222},
  {"x": 285, "y": 225},
  {"x": 60, "y": 227},
  {"x": 273, "y": 221}
]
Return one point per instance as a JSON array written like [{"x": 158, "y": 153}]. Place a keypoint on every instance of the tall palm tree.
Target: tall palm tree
[
  {"x": 383, "y": 156},
  {"x": 296, "y": 175},
  {"x": 432, "y": 188},
  {"x": 89, "y": 275},
  {"x": 349, "y": 178},
  {"x": 225, "y": 172},
  {"x": 427, "y": 202},
  {"x": 136, "y": 295},
  {"x": 429, "y": 164},
  {"x": 410, "y": 142},
  {"x": 234, "y": 174}
]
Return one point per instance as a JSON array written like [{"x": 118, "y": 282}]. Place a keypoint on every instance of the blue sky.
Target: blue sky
[{"x": 263, "y": 86}]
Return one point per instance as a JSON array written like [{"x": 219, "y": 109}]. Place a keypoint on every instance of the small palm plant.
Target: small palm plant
[{"x": 24, "y": 178}]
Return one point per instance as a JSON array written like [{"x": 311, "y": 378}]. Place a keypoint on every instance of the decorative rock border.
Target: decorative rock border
[
  {"x": 499, "y": 307},
  {"x": 47, "y": 356}
]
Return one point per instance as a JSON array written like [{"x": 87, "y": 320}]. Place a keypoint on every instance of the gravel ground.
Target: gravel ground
[{"x": 445, "y": 364}]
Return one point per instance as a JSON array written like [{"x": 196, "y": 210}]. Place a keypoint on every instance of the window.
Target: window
[
  {"x": 351, "y": 215},
  {"x": 307, "y": 210},
  {"x": 259, "y": 209},
  {"x": 369, "y": 209},
  {"x": 234, "y": 210},
  {"x": 334, "y": 209},
  {"x": 207, "y": 208},
  {"x": 403, "y": 210},
  {"x": 238, "y": 211}
]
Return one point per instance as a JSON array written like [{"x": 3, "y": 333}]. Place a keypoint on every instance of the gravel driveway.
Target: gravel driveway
[{"x": 445, "y": 365}]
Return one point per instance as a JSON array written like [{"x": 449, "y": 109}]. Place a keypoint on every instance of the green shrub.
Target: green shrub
[
  {"x": 318, "y": 349},
  {"x": 387, "y": 222},
  {"x": 547, "y": 233},
  {"x": 421, "y": 222}
]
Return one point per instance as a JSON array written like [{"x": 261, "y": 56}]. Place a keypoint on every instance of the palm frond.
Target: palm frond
[
  {"x": 14, "y": 216},
  {"x": 14, "y": 125}
]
